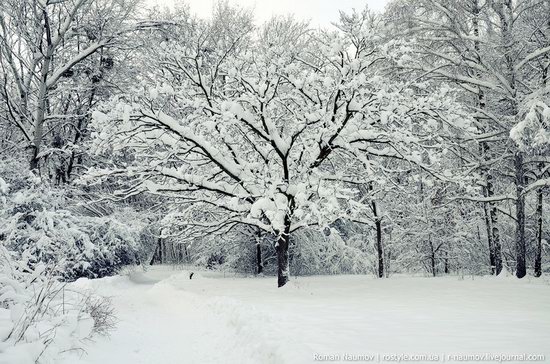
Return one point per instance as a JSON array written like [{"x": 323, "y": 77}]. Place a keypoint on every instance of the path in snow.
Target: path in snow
[
  {"x": 167, "y": 318},
  {"x": 157, "y": 324}
]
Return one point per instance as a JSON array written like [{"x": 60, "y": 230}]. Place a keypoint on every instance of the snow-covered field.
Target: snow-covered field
[{"x": 164, "y": 317}]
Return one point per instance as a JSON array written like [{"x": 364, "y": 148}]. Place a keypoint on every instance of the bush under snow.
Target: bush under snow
[
  {"x": 40, "y": 317},
  {"x": 39, "y": 223}
]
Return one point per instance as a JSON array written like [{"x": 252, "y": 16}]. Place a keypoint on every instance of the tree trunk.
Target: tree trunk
[
  {"x": 39, "y": 119},
  {"x": 520, "y": 216},
  {"x": 491, "y": 217},
  {"x": 489, "y": 237},
  {"x": 283, "y": 268},
  {"x": 378, "y": 225},
  {"x": 505, "y": 12},
  {"x": 157, "y": 256},
  {"x": 282, "y": 258},
  {"x": 42, "y": 96},
  {"x": 538, "y": 250},
  {"x": 495, "y": 234},
  {"x": 388, "y": 262},
  {"x": 259, "y": 262},
  {"x": 496, "y": 242},
  {"x": 79, "y": 133},
  {"x": 432, "y": 257},
  {"x": 379, "y": 247}
]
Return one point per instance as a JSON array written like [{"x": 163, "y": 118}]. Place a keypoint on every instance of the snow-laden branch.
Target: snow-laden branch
[
  {"x": 485, "y": 199},
  {"x": 203, "y": 182},
  {"x": 87, "y": 52},
  {"x": 231, "y": 168},
  {"x": 531, "y": 56},
  {"x": 537, "y": 184}
]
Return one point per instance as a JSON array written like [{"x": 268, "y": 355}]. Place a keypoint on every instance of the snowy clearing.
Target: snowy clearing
[{"x": 164, "y": 317}]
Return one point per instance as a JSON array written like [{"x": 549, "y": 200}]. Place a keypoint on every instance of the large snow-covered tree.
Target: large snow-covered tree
[{"x": 265, "y": 128}]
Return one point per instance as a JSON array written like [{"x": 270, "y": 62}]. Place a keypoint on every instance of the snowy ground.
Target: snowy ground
[{"x": 166, "y": 318}]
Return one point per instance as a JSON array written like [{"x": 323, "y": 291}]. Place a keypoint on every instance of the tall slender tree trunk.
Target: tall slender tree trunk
[
  {"x": 538, "y": 250},
  {"x": 82, "y": 120},
  {"x": 505, "y": 11},
  {"x": 157, "y": 255},
  {"x": 39, "y": 118},
  {"x": 496, "y": 244},
  {"x": 432, "y": 256},
  {"x": 486, "y": 208},
  {"x": 493, "y": 236},
  {"x": 378, "y": 226},
  {"x": 42, "y": 97},
  {"x": 387, "y": 264},
  {"x": 379, "y": 246},
  {"x": 495, "y": 250},
  {"x": 521, "y": 269},
  {"x": 259, "y": 262}
]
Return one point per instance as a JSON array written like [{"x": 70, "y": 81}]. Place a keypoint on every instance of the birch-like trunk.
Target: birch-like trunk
[{"x": 38, "y": 134}]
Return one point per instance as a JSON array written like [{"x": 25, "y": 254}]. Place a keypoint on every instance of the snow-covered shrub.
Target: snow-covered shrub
[
  {"x": 109, "y": 244},
  {"x": 40, "y": 317},
  {"x": 42, "y": 243},
  {"x": 315, "y": 252},
  {"x": 41, "y": 224},
  {"x": 234, "y": 251}
]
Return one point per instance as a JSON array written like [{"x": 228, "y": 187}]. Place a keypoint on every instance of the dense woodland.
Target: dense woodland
[{"x": 413, "y": 141}]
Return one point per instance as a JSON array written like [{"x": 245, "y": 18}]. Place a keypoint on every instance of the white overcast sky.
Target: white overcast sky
[{"x": 320, "y": 12}]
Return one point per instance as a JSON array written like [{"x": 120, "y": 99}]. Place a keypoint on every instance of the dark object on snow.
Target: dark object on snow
[{"x": 191, "y": 275}]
